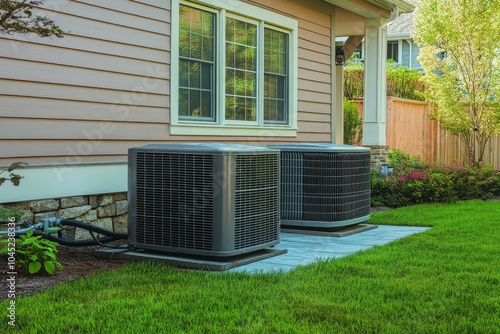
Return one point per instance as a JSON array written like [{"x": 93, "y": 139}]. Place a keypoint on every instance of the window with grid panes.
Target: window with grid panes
[
  {"x": 232, "y": 69},
  {"x": 392, "y": 51}
]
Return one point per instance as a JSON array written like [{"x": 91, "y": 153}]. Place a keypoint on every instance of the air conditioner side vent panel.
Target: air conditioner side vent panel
[{"x": 257, "y": 195}]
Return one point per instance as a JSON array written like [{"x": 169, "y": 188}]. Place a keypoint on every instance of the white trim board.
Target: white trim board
[{"x": 66, "y": 181}]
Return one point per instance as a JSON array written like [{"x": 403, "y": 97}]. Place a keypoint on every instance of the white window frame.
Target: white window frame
[
  {"x": 400, "y": 50},
  {"x": 265, "y": 18}
]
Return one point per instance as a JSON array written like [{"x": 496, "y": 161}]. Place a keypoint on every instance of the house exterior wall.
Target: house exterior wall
[
  {"x": 88, "y": 96},
  {"x": 409, "y": 52},
  {"x": 72, "y": 107},
  {"x": 105, "y": 86},
  {"x": 415, "y": 51}
]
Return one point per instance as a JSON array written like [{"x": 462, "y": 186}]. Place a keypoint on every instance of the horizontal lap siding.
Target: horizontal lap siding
[
  {"x": 315, "y": 86},
  {"x": 105, "y": 86},
  {"x": 89, "y": 96}
]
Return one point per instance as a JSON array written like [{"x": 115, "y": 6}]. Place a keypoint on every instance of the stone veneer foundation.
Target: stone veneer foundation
[
  {"x": 379, "y": 156},
  {"x": 109, "y": 211}
]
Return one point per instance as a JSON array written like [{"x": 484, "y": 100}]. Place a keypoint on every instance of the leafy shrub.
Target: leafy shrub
[
  {"x": 353, "y": 80},
  {"x": 405, "y": 82},
  {"x": 35, "y": 252},
  {"x": 353, "y": 123},
  {"x": 402, "y": 82},
  {"x": 400, "y": 160},
  {"x": 415, "y": 182}
]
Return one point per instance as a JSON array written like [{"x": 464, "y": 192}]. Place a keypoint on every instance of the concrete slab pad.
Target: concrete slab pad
[
  {"x": 336, "y": 234},
  {"x": 305, "y": 249},
  {"x": 190, "y": 262}
]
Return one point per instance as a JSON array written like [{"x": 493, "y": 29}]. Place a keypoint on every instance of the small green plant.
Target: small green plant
[
  {"x": 353, "y": 123},
  {"x": 7, "y": 213},
  {"x": 36, "y": 253}
]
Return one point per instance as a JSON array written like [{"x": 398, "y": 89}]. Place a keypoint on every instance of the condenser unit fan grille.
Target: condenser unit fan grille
[
  {"x": 256, "y": 200},
  {"x": 327, "y": 187},
  {"x": 174, "y": 200}
]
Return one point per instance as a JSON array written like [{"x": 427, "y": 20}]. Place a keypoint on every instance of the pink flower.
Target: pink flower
[
  {"x": 415, "y": 176},
  {"x": 403, "y": 178}
]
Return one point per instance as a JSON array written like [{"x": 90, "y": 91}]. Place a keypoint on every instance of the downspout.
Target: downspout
[
  {"x": 394, "y": 14},
  {"x": 410, "y": 65}
]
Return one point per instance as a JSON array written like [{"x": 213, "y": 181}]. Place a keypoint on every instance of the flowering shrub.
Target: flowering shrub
[{"x": 415, "y": 182}]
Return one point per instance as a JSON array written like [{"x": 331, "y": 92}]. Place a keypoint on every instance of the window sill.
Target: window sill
[{"x": 211, "y": 130}]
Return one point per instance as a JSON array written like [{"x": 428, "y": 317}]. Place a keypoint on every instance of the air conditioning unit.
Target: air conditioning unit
[
  {"x": 324, "y": 186},
  {"x": 203, "y": 199}
]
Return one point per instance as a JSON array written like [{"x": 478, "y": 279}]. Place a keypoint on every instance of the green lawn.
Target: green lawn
[{"x": 444, "y": 280}]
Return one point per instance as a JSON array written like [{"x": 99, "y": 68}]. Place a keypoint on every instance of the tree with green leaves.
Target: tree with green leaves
[
  {"x": 16, "y": 16},
  {"x": 12, "y": 177},
  {"x": 459, "y": 44},
  {"x": 15, "y": 179}
]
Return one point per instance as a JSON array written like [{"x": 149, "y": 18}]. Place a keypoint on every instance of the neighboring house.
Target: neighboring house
[
  {"x": 129, "y": 73},
  {"x": 400, "y": 45}
]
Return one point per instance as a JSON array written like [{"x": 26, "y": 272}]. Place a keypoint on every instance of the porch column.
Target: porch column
[{"x": 374, "y": 109}]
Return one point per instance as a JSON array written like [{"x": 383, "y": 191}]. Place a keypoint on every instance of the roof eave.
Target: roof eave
[
  {"x": 391, "y": 4},
  {"x": 404, "y": 7}
]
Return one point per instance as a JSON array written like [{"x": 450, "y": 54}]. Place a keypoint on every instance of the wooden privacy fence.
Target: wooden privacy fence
[{"x": 410, "y": 129}]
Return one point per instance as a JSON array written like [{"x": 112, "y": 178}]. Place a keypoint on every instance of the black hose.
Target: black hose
[
  {"x": 96, "y": 239},
  {"x": 67, "y": 242},
  {"x": 93, "y": 228},
  {"x": 108, "y": 235}
]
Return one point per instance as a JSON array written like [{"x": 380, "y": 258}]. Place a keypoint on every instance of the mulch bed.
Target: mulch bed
[{"x": 78, "y": 262}]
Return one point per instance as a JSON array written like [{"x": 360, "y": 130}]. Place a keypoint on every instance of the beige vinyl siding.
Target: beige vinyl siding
[
  {"x": 89, "y": 96},
  {"x": 80, "y": 130},
  {"x": 29, "y": 107},
  {"x": 111, "y": 99},
  {"x": 77, "y": 76},
  {"x": 104, "y": 62},
  {"x": 105, "y": 86}
]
